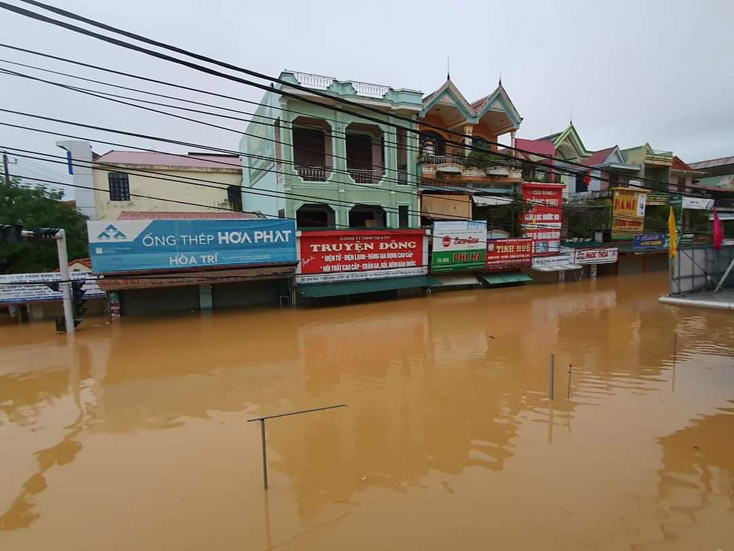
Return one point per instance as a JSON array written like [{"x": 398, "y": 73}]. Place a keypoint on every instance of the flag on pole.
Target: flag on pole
[
  {"x": 718, "y": 231},
  {"x": 673, "y": 233}
]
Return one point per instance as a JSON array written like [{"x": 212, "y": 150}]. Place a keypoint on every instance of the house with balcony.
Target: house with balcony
[
  {"x": 326, "y": 167},
  {"x": 459, "y": 159}
]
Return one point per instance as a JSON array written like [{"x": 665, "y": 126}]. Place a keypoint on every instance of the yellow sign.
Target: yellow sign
[{"x": 628, "y": 214}]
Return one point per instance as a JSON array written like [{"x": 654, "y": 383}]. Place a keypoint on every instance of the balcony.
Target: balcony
[
  {"x": 470, "y": 169},
  {"x": 361, "y": 176},
  {"x": 313, "y": 173}
]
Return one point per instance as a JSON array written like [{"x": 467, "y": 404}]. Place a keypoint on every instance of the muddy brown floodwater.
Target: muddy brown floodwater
[{"x": 133, "y": 436}]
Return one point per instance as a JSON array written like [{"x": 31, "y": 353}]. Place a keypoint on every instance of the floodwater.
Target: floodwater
[{"x": 134, "y": 435}]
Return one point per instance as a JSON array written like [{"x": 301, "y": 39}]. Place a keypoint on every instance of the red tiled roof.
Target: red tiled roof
[
  {"x": 597, "y": 157},
  {"x": 535, "y": 146},
  {"x": 150, "y": 158},
  {"x": 678, "y": 164},
  {"x": 169, "y": 215}
]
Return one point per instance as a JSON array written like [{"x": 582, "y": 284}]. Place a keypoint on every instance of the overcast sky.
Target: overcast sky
[{"x": 630, "y": 71}]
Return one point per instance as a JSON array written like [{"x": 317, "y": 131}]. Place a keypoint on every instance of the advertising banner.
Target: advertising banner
[
  {"x": 138, "y": 245},
  {"x": 628, "y": 212},
  {"x": 650, "y": 242},
  {"x": 459, "y": 246},
  {"x": 596, "y": 255},
  {"x": 21, "y": 288},
  {"x": 361, "y": 254},
  {"x": 506, "y": 254},
  {"x": 542, "y": 222}
]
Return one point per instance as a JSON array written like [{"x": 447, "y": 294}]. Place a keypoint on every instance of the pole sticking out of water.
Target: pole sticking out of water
[
  {"x": 551, "y": 369},
  {"x": 568, "y": 390},
  {"x": 675, "y": 347},
  {"x": 262, "y": 432}
]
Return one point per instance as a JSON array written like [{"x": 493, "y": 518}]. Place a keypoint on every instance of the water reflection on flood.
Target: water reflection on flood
[{"x": 133, "y": 435}]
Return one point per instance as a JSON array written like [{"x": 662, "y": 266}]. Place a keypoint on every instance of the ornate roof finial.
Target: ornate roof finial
[
  {"x": 500, "y": 83},
  {"x": 570, "y": 116},
  {"x": 448, "y": 68}
]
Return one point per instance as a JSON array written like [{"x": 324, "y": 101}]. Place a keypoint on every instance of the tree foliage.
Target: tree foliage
[{"x": 38, "y": 207}]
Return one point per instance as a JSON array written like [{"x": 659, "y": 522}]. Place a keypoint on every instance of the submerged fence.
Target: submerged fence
[{"x": 700, "y": 269}]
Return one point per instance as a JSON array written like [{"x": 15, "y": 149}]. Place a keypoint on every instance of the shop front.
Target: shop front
[
  {"x": 557, "y": 268},
  {"x": 157, "y": 266},
  {"x": 595, "y": 259},
  {"x": 362, "y": 262},
  {"x": 543, "y": 217},
  {"x": 505, "y": 260},
  {"x": 459, "y": 250}
]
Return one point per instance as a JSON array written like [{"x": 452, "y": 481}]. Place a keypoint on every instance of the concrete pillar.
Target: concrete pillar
[
  {"x": 468, "y": 128},
  {"x": 512, "y": 142},
  {"x": 205, "y": 297}
]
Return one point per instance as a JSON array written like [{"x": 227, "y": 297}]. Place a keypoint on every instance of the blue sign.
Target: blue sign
[
  {"x": 141, "y": 245},
  {"x": 651, "y": 242}
]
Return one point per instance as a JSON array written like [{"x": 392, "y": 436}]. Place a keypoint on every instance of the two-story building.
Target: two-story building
[
  {"x": 143, "y": 181},
  {"x": 460, "y": 163},
  {"x": 327, "y": 166}
]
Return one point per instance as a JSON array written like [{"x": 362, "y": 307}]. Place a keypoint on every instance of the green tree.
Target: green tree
[{"x": 38, "y": 207}]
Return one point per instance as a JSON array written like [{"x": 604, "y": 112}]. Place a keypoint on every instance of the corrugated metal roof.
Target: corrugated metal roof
[
  {"x": 149, "y": 158},
  {"x": 725, "y": 183},
  {"x": 170, "y": 215},
  {"x": 700, "y": 165}
]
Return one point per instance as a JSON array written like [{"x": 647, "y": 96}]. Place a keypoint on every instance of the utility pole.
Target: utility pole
[{"x": 6, "y": 167}]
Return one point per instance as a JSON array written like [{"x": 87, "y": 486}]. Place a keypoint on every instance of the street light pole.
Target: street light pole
[{"x": 6, "y": 167}]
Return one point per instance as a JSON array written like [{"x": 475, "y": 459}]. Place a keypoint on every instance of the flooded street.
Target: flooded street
[{"x": 134, "y": 435}]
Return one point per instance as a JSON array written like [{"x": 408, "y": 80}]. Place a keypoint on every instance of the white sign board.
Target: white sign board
[
  {"x": 697, "y": 203},
  {"x": 22, "y": 288}
]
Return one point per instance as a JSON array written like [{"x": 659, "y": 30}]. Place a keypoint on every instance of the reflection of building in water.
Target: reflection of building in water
[{"x": 697, "y": 470}]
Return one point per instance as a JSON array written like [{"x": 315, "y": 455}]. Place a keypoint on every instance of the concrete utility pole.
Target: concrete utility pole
[
  {"x": 5, "y": 166},
  {"x": 65, "y": 281}
]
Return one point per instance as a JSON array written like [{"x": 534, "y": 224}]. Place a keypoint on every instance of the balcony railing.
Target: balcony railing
[
  {"x": 470, "y": 168},
  {"x": 313, "y": 173},
  {"x": 365, "y": 176}
]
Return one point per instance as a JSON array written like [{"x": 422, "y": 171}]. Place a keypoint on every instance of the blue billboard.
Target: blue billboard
[
  {"x": 141, "y": 245},
  {"x": 650, "y": 242}
]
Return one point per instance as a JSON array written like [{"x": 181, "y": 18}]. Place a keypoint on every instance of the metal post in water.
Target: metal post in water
[
  {"x": 568, "y": 390},
  {"x": 262, "y": 431},
  {"x": 675, "y": 348},
  {"x": 551, "y": 368},
  {"x": 265, "y": 454}
]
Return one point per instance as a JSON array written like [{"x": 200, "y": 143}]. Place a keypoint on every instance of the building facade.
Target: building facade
[
  {"x": 460, "y": 162},
  {"x": 142, "y": 181},
  {"x": 327, "y": 168}
]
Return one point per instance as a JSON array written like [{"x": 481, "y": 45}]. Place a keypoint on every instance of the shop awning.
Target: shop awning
[
  {"x": 342, "y": 288},
  {"x": 560, "y": 267},
  {"x": 456, "y": 280},
  {"x": 491, "y": 200},
  {"x": 506, "y": 277}
]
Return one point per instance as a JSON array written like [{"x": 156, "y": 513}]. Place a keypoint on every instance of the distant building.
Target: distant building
[
  {"x": 327, "y": 168},
  {"x": 653, "y": 165},
  {"x": 120, "y": 181}
]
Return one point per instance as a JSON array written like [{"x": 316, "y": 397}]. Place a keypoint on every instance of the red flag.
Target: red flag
[
  {"x": 587, "y": 178},
  {"x": 718, "y": 231}
]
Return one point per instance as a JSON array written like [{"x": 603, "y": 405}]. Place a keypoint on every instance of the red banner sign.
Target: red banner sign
[
  {"x": 542, "y": 222},
  {"x": 361, "y": 254},
  {"x": 504, "y": 254}
]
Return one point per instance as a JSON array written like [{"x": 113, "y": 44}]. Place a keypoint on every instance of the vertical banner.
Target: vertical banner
[
  {"x": 459, "y": 246},
  {"x": 542, "y": 222},
  {"x": 628, "y": 212}
]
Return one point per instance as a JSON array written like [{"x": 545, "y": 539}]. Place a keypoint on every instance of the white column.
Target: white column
[{"x": 512, "y": 142}]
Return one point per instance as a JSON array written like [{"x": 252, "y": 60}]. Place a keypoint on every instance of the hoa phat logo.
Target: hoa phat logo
[{"x": 111, "y": 233}]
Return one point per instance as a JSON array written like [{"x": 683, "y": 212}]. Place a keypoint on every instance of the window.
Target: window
[
  {"x": 119, "y": 186},
  {"x": 403, "y": 218},
  {"x": 580, "y": 186},
  {"x": 234, "y": 197}
]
